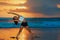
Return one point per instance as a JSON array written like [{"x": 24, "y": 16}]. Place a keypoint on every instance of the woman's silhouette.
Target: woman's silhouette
[{"x": 24, "y": 24}]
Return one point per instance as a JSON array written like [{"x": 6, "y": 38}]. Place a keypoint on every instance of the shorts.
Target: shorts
[{"x": 24, "y": 24}]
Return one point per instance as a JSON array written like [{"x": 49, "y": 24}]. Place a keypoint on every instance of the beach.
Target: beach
[{"x": 39, "y": 33}]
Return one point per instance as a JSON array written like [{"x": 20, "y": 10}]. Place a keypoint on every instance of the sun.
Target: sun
[{"x": 58, "y": 5}]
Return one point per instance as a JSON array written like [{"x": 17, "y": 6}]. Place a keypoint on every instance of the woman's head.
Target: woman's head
[{"x": 15, "y": 18}]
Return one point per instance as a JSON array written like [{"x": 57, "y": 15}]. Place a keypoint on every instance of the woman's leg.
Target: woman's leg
[
  {"x": 30, "y": 32},
  {"x": 20, "y": 30}
]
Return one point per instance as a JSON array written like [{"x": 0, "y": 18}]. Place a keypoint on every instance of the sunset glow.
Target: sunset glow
[
  {"x": 22, "y": 7},
  {"x": 23, "y": 1},
  {"x": 17, "y": 1},
  {"x": 24, "y": 35}
]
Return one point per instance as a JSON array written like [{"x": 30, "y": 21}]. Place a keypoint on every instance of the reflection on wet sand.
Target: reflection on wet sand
[
  {"x": 25, "y": 35},
  {"x": 7, "y": 33}
]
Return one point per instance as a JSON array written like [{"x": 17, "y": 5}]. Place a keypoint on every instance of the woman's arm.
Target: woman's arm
[
  {"x": 6, "y": 20},
  {"x": 30, "y": 33},
  {"x": 14, "y": 14}
]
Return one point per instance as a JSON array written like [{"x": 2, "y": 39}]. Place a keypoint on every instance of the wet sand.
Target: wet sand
[
  {"x": 39, "y": 33},
  {"x": 6, "y": 33}
]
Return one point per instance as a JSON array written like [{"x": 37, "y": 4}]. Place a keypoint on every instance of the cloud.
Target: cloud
[
  {"x": 43, "y": 10},
  {"x": 40, "y": 3},
  {"x": 4, "y": 3}
]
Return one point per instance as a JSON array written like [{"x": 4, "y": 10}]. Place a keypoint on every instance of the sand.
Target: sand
[{"x": 6, "y": 33}]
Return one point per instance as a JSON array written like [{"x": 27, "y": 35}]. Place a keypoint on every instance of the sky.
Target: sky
[{"x": 30, "y": 8}]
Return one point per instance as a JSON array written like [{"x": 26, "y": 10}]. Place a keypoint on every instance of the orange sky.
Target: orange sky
[
  {"x": 7, "y": 5},
  {"x": 5, "y": 9}
]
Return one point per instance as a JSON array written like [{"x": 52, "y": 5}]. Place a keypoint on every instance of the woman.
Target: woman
[{"x": 23, "y": 21}]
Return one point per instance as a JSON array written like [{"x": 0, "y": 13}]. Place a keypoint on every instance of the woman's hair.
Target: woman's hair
[{"x": 15, "y": 18}]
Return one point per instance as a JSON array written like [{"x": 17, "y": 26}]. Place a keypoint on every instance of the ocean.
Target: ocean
[{"x": 32, "y": 22}]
